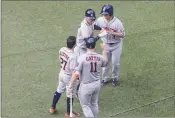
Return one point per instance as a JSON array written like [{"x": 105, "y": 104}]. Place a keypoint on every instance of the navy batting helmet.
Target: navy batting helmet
[
  {"x": 107, "y": 9},
  {"x": 90, "y": 13},
  {"x": 90, "y": 42}
]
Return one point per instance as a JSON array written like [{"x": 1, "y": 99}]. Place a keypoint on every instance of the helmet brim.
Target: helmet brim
[
  {"x": 104, "y": 13},
  {"x": 91, "y": 18}
]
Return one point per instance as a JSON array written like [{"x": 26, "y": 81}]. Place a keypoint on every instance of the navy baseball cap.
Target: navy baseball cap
[
  {"x": 90, "y": 13},
  {"x": 90, "y": 42}
]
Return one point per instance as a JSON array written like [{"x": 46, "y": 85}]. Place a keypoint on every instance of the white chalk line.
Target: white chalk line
[{"x": 131, "y": 109}]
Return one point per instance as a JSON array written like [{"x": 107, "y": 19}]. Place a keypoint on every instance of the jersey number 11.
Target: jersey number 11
[{"x": 93, "y": 66}]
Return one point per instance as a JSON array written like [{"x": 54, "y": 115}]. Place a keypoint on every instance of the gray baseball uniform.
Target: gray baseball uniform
[
  {"x": 68, "y": 62},
  {"x": 112, "y": 45},
  {"x": 89, "y": 67},
  {"x": 84, "y": 31}
]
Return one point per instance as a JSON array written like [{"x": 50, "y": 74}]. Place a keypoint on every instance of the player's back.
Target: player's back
[
  {"x": 91, "y": 63},
  {"x": 66, "y": 56}
]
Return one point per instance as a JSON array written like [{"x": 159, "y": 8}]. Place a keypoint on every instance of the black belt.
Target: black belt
[
  {"x": 68, "y": 74},
  {"x": 111, "y": 43}
]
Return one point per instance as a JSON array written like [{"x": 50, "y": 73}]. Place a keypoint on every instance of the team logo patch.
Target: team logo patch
[
  {"x": 90, "y": 40},
  {"x": 104, "y": 8}
]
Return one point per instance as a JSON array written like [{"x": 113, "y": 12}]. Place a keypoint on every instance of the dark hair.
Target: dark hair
[
  {"x": 71, "y": 41},
  {"x": 92, "y": 45}
]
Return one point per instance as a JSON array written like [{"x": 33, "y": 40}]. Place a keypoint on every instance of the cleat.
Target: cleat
[
  {"x": 114, "y": 82},
  {"x": 75, "y": 115},
  {"x": 103, "y": 83},
  {"x": 52, "y": 110}
]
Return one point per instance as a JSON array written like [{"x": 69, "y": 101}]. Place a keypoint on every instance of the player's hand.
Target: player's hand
[
  {"x": 70, "y": 90},
  {"x": 103, "y": 33},
  {"x": 111, "y": 32},
  {"x": 75, "y": 75},
  {"x": 70, "y": 87}
]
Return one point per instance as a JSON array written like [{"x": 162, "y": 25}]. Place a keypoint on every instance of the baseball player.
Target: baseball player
[
  {"x": 68, "y": 61},
  {"x": 85, "y": 30},
  {"x": 88, "y": 69},
  {"x": 112, "y": 42}
]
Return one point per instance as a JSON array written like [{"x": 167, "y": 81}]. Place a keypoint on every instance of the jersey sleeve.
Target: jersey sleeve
[
  {"x": 79, "y": 65},
  {"x": 96, "y": 25},
  {"x": 73, "y": 64},
  {"x": 120, "y": 27},
  {"x": 97, "y": 22}
]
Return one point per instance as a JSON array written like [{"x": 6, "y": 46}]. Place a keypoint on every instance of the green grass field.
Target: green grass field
[{"x": 33, "y": 32}]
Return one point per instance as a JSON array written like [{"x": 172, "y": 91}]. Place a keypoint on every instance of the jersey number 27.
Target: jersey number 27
[{"x": 63, "y": 63}]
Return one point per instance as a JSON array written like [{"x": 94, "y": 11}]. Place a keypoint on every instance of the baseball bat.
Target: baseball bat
[{"x": 71, "y": 114}]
